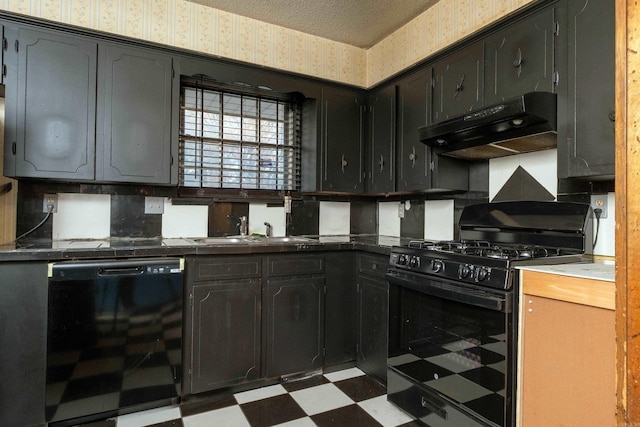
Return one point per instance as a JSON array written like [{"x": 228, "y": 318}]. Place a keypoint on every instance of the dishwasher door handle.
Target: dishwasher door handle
[{"x": 123, "y": 271}]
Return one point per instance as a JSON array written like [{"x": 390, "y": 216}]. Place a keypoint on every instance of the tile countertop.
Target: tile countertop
[
  {"x": 47, "y": 250},
  {"x": 590, "y": 283}
]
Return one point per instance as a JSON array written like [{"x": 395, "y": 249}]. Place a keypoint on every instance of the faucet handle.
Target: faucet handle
[{"x": 243, "y": 226}]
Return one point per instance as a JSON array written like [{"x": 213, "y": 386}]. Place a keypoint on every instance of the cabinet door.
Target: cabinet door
[
  {"x": 413, "y": 156},
  {"x": 382, "y": 140},
  {"x": 23, "y": 340},
  {"x": 134, "y": 116},
  {"x": 339, "y": 315},
  {"x": 458, "y": 83},
  {"x": 373, "y": 301},
  {"x": 226, "y": 333},
  {"x": 293, "y": 308},
  {"x": 56, "y": 104},
  {"x": 342, "y": 140},
  {"x": 568, "y": 364},
  {"x": 520, "y": 58},
  {"x": 588, "y": 148}
]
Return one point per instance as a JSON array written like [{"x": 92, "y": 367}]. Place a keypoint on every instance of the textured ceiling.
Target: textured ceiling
[{"x": 360, "y": 23}]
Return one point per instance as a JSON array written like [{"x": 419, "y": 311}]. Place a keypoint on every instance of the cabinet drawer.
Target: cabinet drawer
[
  {"x": 225, "y": 267},
  {"x": 294, "y": 265},
  {"x": 373, "y": 265}
]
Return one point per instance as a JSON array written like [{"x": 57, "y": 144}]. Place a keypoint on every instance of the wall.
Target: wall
[
  {"x": 192, "y": 26},
  {"x": 119, "y": 211}
]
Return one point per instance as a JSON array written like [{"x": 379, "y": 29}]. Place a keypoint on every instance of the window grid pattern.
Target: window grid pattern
[{"x": 237, "y": 141}]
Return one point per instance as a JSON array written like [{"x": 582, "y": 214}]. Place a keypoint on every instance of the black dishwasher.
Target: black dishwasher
[{"x": 114, "y": 337}]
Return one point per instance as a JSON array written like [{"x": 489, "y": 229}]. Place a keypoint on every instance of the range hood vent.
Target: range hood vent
[{"x": 519, "y": 125}]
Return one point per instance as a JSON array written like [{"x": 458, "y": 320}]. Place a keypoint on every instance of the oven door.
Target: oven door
[{"x": 451, "y": 351}]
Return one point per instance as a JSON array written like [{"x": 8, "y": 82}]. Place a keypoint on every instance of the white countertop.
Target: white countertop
[{"x": 597, "y": 270}]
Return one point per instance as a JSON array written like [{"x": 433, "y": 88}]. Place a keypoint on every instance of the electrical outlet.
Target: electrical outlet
[
  {"x": 599, "y": 201},
  {"x": 401, "y": 210},
  {"x": 154, "y": 205},
  {"x": 50, "y": 200}
]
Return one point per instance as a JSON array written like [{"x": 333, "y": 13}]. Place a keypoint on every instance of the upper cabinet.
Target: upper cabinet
[
  {"x": 413, "y": 109},
  {"x": 135, "y": 115},
  {"x": 458, "y": 81},
  {"x": 67, "y": 119},
  {"x": 50, "y": 106},
  {"x": 520, "y": 58},
  {"x": 381, "y": 140},
  {"x": 342, "y": 140},
  {"x": 586, "y": 145}
]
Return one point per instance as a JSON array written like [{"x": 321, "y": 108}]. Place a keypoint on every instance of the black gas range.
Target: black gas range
[{"x": 453, "y": 309}]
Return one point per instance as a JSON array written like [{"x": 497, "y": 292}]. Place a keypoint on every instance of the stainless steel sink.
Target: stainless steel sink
[
  {"x": 285, "y": 239},
  {"x": 245, "y": 240},
  {"x": 235, "y": 240}
]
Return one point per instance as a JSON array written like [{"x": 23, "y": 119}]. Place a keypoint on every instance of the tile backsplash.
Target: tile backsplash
[
  {"x": 84, "y": 216},
  {"x": 84, "y": 212},
  {"x": 184, "y": 220}
]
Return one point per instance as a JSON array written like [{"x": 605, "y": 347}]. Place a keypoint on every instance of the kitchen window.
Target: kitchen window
[{"x": 241, "y": 140}]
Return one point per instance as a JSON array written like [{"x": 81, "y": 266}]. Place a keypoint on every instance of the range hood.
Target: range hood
[{"x": 519, "y": 125}]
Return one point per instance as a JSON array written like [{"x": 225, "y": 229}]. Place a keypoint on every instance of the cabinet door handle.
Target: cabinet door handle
[
  {"x": 518, "y": 62},
  {"x": 344, "y": 163},
  {"x": 412, "y": 156},
  {"x": 381, "y": 163},
  {"x": 459, "y": 87}
]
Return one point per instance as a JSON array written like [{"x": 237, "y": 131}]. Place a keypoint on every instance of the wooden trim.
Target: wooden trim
[
  {"x": 627, "y": 211},
  {"x": 595, "y": 293}
]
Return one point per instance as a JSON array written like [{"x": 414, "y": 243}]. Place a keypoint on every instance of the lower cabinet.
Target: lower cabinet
[
  {"x": 340, "y": 329},
  {"x": 223, "y": 325},
  {"x": 372, "y": 309},
  {"x": 23, "y": 338},
  {"x": 568, "y": 351},
  {"x": 252, "y": 317},
  {"x": 293, "y": 298},
  {"x": 256, "y": 317}
]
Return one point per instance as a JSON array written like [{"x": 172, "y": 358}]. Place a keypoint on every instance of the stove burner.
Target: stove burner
[{"x": 484, "y": 249}]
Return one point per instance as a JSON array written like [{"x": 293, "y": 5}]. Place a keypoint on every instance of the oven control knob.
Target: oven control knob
[
  {"x": 483, "y": 274},
  {"x": 403, "y": 260},
  {"x": 464, "y": 271},
  {"x": 414, "y": 262},
  {"x": 437, "y": 266}
]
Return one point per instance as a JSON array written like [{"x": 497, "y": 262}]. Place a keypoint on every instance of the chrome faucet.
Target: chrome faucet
[
  {"x": 268, "y": 229},
  {"x": 243, "y": 225}
]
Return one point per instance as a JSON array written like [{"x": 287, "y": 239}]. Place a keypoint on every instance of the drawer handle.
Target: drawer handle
[
  {"x": 374, "y": 267},
  {"x": 433, "y": 407}
]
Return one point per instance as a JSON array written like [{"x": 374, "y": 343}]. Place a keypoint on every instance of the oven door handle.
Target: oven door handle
[{"x": 451, "y": 292}]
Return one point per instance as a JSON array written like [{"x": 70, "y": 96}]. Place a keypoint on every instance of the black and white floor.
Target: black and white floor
[{"x": 343, "y": 398}]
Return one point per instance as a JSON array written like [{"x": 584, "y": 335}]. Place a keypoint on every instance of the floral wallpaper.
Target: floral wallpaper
[{"x": 192, "y": 26}]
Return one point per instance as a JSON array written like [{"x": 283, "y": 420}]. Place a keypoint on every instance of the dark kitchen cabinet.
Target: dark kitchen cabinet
[
  {"x": 51, "y": 100},
  {"x": 339, "y": 315},
  {"x": 23, "y": 340},
  {"x": 372, "y": 309},
  {"x": 413, "y": 156},
  {"x": 342, "y": 140},
  {"x": 520, "y": 58},
  {"x": 419, "y": 167},
  {"x": 381, "y": 140},
  {"x": 223, "y": 325},
  {"x": 79, "y": 108},
  {"x": 458, "y": 82},
  {"x": 586, "y": 145},
  {"x": 136, "y": 90},
  {"x": 293, "y": 301}
]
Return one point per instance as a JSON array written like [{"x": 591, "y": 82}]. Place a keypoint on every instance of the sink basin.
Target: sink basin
[
  {"x": 222, "y": 240},
  {"x": 285, "y": 239},
  {"x": 245, "y": 240}
]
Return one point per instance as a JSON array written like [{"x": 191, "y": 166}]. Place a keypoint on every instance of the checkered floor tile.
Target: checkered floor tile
[{"x": 343, "y": 398}]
